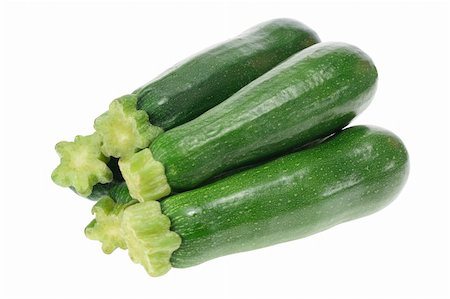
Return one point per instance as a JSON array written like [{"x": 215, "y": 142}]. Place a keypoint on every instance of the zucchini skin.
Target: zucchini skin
[
  {"x": 116, "y": 190},
  {"x": 353, "y": 174},
  {"x": 199, "y": 83},
  {"x": 313, "y": 94},
  {"x": 101, "y": 190}
]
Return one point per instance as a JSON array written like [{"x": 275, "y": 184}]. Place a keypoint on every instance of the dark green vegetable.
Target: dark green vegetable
[
  {"x": 206, "y": 79},
  {"x": 309, "y": 96},
  {"x": 197, "y": 84},
  {"x": 117, "y": 190},
  {"x": 351, "y": 175},
  {"x": 120, "y": 193},
  {"x": 175, "y": 97}
]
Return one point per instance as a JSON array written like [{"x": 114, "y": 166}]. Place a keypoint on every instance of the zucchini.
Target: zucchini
[
  {"x": 353, "y": 174},
  {"x": 197, "y": 84},
  {"x": 108, "y": 211},
  {"x": 175, "y": 97},
  {"x": 311, "y": 95}
]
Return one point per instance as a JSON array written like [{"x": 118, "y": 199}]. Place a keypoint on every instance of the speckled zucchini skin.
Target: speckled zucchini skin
[
  {"x": 314, "y": 93},
  {"x": 203, "y": 81},
  {"x": 353, "y": 174}
]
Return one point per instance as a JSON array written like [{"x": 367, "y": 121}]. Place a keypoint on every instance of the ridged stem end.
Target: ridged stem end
[
  {"x": 145, "y": 177},
  {"x": 148, "y": 237},
  {"x": 107, "y": 225},
  {"x": 82, "y": 164},
  {"x": 125, "y": 129}
]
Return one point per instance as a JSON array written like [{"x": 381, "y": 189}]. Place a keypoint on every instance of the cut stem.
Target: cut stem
[
  {"x": 145, "y": 177},
  {"x": 124, "y": 129},
  {"x": 82, "y": 164},
  {"x": 107, "y": 225},
  {"x": 149, "y": 238}
]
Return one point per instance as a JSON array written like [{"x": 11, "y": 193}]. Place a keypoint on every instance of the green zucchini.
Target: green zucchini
[
  {"x": 311, "y": 95},
  {"x": 353, "y": 174},
  {"x": 199, "y": 83},
  {"x": 108, "y": 211},
  {"x": 175, "y": 97}
]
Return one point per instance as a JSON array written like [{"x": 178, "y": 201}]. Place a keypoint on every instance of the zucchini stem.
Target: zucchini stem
[
  {"x": 82, "y": 164},
  {"x": 107, "y": 225},
  {"x": 144, "y": 176},
  {"x": 125, "y": 129},
  {"x": 149, "y": 238}
]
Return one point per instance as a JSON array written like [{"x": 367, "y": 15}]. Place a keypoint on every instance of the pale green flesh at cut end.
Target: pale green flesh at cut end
[
  {"x": 107, "y": 225},
  {"x": 124, "y": 129},
  {"x": 82, "y": 164},
  {"x": 145, "y": 177},
  {"x": 148, "y": 237}
]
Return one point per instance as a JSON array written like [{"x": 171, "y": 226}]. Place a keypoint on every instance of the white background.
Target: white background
[{"x": 63, "y": 64}]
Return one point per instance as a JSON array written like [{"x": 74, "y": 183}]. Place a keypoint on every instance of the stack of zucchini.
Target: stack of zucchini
[{"x": 239, "y": 147}]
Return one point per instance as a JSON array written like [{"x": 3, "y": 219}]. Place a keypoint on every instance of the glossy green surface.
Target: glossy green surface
[
  {"x": 120, "y": 194},
  {"x": 117, "y": 190},
  {"x": 199, "y": 83},
  {"x": 311, "y": 95},
  {"x": 353, "y": 174}
]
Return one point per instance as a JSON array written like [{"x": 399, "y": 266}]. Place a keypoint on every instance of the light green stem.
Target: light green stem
[
  {"x": 107, "y": 225},
  {"x": 145, "y": 177},
  {"x": 149, "y": 238},
  {"x": 82, "y": 164},
  {"x": 125, "y": 129}
]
